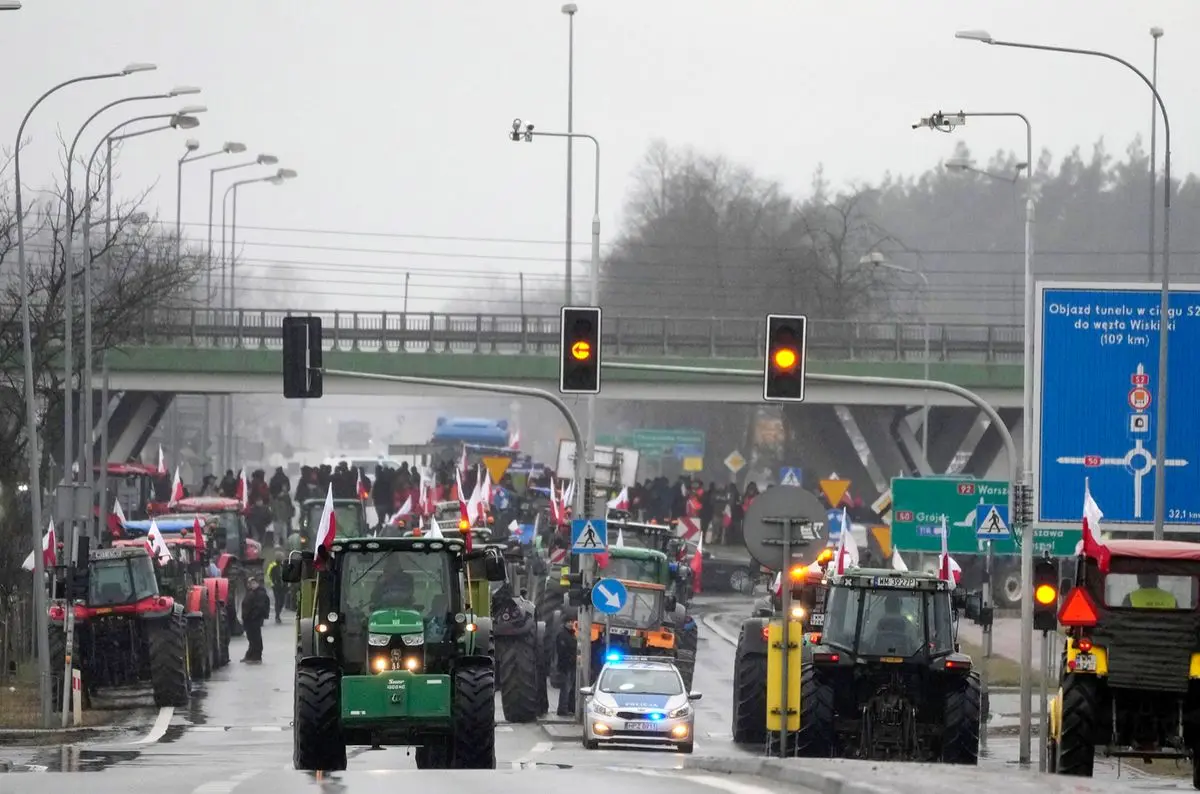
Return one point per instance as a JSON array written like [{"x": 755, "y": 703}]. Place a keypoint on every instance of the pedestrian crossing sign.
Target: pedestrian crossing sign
[
  {"x": 589, "y": 535},
  {"x": 991, "y": 521},
  {"x": 791, "y": 475}
]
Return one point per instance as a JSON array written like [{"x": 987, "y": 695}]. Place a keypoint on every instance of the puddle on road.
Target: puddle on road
[{"x": 75, "y": 759}]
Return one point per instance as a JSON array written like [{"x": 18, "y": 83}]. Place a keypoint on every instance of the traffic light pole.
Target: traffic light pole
[
  {"x": 580, "y": 473},
  {"x": 1014, "y": 464}
]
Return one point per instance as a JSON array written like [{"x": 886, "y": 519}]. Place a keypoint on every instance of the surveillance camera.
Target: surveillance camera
[
  {"x": 516, "y": 125},
  {"x": 528, "y": 128}
]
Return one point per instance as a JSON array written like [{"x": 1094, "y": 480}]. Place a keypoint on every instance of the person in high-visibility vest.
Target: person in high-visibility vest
[{"x": 1149, "y": 595}]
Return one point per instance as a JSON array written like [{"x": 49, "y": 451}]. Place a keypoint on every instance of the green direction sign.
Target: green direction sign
[
  {"x": 918, "y": 504},
  {"x": 678, "y": 443}
]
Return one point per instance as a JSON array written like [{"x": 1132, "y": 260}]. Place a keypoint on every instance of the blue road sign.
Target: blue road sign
[
  {"x": 991, "y": 522},
  {"x": 589, "y": 535},
  {"x": 609, "y": 596},
  {"x": 791, "y": 475},
  {"x": 523, "y": 534},
  {"x": 1097, "y": 374},
  {"x": 833, "y": 522}
]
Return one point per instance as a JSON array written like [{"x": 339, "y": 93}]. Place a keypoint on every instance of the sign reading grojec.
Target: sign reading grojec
[{"x": 1095, "y": 394}]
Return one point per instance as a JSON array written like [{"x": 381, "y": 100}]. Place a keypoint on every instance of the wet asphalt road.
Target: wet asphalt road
[{"x": 236, "y": 738}]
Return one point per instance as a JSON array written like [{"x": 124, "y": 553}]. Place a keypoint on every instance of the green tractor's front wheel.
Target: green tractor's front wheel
[
  {"x": 317, "y": 742},
  {"x": 474, "y": 715}
]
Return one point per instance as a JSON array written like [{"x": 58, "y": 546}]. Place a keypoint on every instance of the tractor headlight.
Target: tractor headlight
[
  {"x": 683, "y": 711},
  {"x": 379, "y": 640},
  {"x": 414, "y": 639}
]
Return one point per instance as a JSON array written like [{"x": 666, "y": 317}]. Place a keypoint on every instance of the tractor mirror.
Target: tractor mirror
[
  {"x": 494, "y": 569},
  {"x": 293, "y": 569}
]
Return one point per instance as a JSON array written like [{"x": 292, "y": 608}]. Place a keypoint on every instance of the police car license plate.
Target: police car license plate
[
  {"x": 1085, "y": 662},
  {"x": 641, "y": 726}
]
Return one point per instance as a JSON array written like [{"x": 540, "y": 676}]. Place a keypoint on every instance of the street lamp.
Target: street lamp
[
  {"x": 570, "y": 10},
  {"x": 1156, "y": 33},
  {"x": 963, "y": 164},
  {"x": 522, "y": 132},
  {"x": 10, "y": 5},
  {"x": 876, "y": 259},
  {"x": 190, "y": 147},
  {"x": 182, "y": 120},
  {"x": 69, "y": 310},
  {"x": 31, "y": 444},
  {"x": 1160, "y": 452}
]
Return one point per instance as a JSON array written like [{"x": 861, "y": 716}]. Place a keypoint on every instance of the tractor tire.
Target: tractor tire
[
  {"x": 963, "y": 719},
  {"x": 1080, "y": 712},
  {"x": 542, "y": 672},
  {"x": 168, "y": 640},
  {"x": 317, "y": 742},
  {"x": 474, "y": 715},
  {"x": 516, "y": 658},
  {"x": 817, "y": 737},
  {"x": 212, "y": 625},
  {"x": 226, "y": 633},
  {"x": 687, "y": 638},
  {"x": 435, "y": 755},
  {"x": 749, "y": 696},
  {"x": 197, "y": 640},
  {"x": 58, "y": 661}
]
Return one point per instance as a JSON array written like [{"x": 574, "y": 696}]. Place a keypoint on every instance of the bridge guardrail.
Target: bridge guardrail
[{"x": 829, "y": 340}]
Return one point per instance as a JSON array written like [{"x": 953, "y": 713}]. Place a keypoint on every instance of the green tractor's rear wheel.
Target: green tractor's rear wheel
[
  {"x": 749, "y": 694},
  {"x": 1080, "y": 712},
  {"x": 963, "y": 718},
  {"x": 516, "y": 666},
  {"x": 317, "y": 742},
  {"x": 168, "y": 641},
  {"x": 474, "y": 715}
]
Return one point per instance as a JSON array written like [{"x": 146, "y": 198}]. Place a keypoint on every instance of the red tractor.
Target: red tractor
[
  {"x": 126, "y": 631},
  {"x": 236, "y": 554},
  {"x": 138, "y": 487}
]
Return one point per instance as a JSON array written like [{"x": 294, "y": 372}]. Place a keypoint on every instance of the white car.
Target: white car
[{"x": 639, "y": 700}]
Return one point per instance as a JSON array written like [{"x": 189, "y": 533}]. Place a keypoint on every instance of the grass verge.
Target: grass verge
[
  {"x": 21, "y": 707},
  {"x": 1001, "y": 671}
]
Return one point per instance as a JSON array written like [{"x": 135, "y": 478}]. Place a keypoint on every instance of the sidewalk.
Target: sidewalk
[{"x": 1006, "y": 639}]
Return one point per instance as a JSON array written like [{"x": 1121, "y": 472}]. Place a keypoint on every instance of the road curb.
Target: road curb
[
  {"x": 715, "y": 628},
  {"x": 563, "y": 731},
  {"x": 782, "y": 772}
]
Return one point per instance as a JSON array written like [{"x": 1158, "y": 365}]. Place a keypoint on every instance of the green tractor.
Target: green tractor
[
  {"x": 350, "y": 515},
  {"x": 392, "y": 650}
]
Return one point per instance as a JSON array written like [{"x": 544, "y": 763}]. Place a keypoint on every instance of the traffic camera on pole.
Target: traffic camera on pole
[
  {"x": 579, "y": 348},
  {"x": 785, "y": 366},
  {"x": 302, "y": 376},
  {"x": 1045, "y": 595}
]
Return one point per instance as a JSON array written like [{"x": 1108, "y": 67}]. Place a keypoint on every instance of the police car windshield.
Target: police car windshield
[
  {"x": 640, "y": 681},
  {"x": 1150, "y": 591}
]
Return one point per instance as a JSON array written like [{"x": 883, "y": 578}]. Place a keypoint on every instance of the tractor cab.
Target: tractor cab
[
  {"x": 350, "y": 515},
  {"x": 137, "y": 486},
  {"x": 393, "y": 652},
  {"x": 639, "y": 627},
  {"x": 227, "y": 532},
  {"x": 1130, "y": 680},
  {"x": 120, "y": 578}
]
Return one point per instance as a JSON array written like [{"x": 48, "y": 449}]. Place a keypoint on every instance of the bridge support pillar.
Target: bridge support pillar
[
  {"x": 885, "y": 459},
  {"x": 819, "y": 442},
  {"x": 132, "y": 420},
  {"x": 949, "y": 429},
  {"x": 988, "y": 459}
]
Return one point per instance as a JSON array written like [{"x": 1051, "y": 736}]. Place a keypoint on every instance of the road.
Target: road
[{"x": 236, "y": 739}]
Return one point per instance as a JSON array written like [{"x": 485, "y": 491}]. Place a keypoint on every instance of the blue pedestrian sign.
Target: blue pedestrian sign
[
  {"x": 833, "y": 522},
  {"x": 609, "y": 596},
  {"x": 589, "y": 535},
  {"x": 1096, "y": 394},
  {"x": 991, "y": 522},
  {"x": 791, "y": 475}
]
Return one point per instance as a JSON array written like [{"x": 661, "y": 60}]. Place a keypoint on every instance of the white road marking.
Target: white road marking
[
  {"x": 542, "y": 747},
  {"x": 504, "y": 729},
  {"x": 159, "y": 728},
  {"x": 227, "y": 785},
  {"x": 267, "y": 728},
  {"x": 726, "y": 784}
]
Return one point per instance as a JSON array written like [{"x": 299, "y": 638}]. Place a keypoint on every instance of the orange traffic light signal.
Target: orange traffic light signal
[
  {"x": 1045, "y": 595},
  {"x": 784, "y": 370},
  {"x": 579, "y": 368}
]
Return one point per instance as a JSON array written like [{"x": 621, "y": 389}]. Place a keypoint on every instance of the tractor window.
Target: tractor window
[
  {"x": 402, "y": 579},
  {"x": 841, "y": 617},
  {"x": 642, "y": 607},
  {"x": 1149, "y": 591},
  {"x": 633, "y": 570},
  {"x": 350, "y": 519},
  {"x": 121, "y": 581},
  {"x": 939, "y": 616},
  {"x": 892, "y": 623}
]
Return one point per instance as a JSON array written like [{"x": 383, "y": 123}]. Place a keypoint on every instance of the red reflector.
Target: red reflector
[
  {"x": 766, "y": 632},
  {"x": 1078, "y": 609},
  {"x": 959, "y": 665},
  {"x": 1084, "y": 645},
  {"x": 826, "y": 658}
]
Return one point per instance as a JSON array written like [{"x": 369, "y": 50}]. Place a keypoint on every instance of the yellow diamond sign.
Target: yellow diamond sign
[{"x": 735, "y": 462}]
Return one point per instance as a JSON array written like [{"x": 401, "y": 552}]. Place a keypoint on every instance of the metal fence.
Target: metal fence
[{"x": 828, "y": 340}]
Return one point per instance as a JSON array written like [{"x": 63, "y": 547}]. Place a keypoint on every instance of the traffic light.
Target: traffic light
[
  {"x": 783, "y": 373},
  {"x": 1045, "y": 595},
  {"x": 302, "y": 377},
  {"x": 579, "y": 348}
]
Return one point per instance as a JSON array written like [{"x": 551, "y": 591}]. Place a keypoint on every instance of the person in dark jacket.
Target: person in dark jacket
[
  {"x": 256, "y": 608},
  {"x": 566, "y": 649}
]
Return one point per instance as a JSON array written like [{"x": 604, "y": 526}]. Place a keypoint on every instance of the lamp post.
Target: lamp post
[
  {"x": 584, "y": 458},
  {"x": 278, "y": 178},
  {"x": 945, "y": 123},
  {"x": 1160, "y": 451},
  {"x": 876, "y": 259},
  {"x": 223, "y": 400},
  {"x": 190, "y": 147},
  {"x": 570, "y": 10},
  {"x": 1156, "y": 33},
  {"x": 179, "y": 120},
  {"x": 32, "y": 446}
]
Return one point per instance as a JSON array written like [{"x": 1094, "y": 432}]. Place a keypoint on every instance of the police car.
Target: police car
[{"x": 639, "y": 700}]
